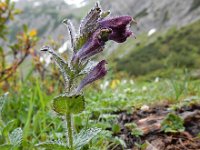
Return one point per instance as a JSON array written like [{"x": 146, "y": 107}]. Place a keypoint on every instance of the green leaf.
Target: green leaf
[
  {"x": 65, "y": 104},
  {"x": 5, "y": 147},
  {"x": 9, "y": 126},
  {"x": 25, "y": 28},
  {"x": 80, "y": 41},
  {"x": 105, "y": 14},
  {"x": 85, "y": 136},
  {"x": 1, "y": 49},
  {"x": 60, "y": 62},
  {"x": 172, "y": 123},
  {"x": 135, "y": 131},
  {"x": 116, "y": 128},
  {"x": 17, "y": 11},
  {"x": 2, "y": 101},
  {"x": 16, "y": 137},
  {"x": 55, "y": 145},
  {"x": 120, "y": 141}
]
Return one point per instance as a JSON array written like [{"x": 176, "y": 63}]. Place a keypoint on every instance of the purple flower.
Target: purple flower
[
  {"x": 120, "y": 27},
  {"x": 96, "y": 73},
  {"x": 93, "y": 46}
]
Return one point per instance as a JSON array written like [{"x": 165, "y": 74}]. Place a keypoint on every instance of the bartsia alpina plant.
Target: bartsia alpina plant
[{"x": 95, "y": 30}]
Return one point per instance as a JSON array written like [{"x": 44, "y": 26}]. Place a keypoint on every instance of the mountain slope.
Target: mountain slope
[
  {"x": 178, "y": 48},
  {"x": 46, "y": 16}
]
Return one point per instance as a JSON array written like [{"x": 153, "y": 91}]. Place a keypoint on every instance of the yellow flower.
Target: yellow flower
[
  {"x": 114, "y": 83},
  {"x": 3, "y": 5},
  {"x": 33, "y": 33}
]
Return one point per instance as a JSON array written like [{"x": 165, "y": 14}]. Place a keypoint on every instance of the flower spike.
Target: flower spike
[{"x": 93, "y": 46}]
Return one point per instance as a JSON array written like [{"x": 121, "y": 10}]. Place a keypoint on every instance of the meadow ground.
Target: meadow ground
[{"x": 117, "y": 107}]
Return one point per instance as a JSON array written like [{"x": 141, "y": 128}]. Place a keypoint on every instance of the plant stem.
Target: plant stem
[
  {"x": 69, "y": 120},
  {"x": 69, "y": 130},
  {"x": 2, "y": 124}
]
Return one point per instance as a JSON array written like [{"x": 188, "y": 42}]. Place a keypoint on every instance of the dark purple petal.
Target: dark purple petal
[
  {"x": 116, "y": 22},
  {"x": 120, "y": 36},
  {"x": 120, "y": 27},
  {"x": 93, "y": 46},
  {"x": 96, "y": 73}
]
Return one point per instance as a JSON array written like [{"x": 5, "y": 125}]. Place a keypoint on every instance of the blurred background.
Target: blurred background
[
  {"x": 161, "y": 64},
  {"x": 166, "y": 31}
]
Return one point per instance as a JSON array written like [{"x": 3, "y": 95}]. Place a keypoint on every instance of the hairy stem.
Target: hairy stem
[
  {"x": 69, "y": 130},
  {"x": 69, "y": 119}
]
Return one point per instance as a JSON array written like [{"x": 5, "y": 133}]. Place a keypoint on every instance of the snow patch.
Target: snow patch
[{"x": 151, "y": 32}]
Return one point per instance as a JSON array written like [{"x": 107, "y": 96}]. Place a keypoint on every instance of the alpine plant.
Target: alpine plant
[{"x": 95, "y": 30}]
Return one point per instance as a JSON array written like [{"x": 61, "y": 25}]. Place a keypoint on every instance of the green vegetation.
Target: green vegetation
[
  {"x": 173, "y": 123},
  {"x": 30, "y": 107},
  {"x": 163, "y": 65},
  {"x": 134, "y": 129}
]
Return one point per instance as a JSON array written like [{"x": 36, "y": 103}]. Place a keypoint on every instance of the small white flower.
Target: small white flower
[
  {"x": 127, "y": 90},
  {"x": 104, "y": 85},
  {"x": 41, "y": 59},
  {"x": 124, "y": 81},
  {"x": 144, "y": 88},
  {"x": 131, "y": 82},
  {"x": 157, "y": 79}
]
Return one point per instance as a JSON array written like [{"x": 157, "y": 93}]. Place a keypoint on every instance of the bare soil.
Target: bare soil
[{"x": 149, "y": 122}]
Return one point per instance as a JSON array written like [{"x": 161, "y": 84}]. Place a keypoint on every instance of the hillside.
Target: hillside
[
  {"x": 178, "y": 48},
  {"x": 152, "y": 53},
  {"x": 46, "y": 16}
]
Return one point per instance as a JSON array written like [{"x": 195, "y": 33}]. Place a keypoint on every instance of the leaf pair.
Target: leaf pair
[
  {"x": 80, "y": 140},
  {"x": 65, "y": 104}
]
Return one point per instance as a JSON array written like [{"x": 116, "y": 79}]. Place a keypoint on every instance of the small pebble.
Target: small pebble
[{"x": 144, "y": 108}]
